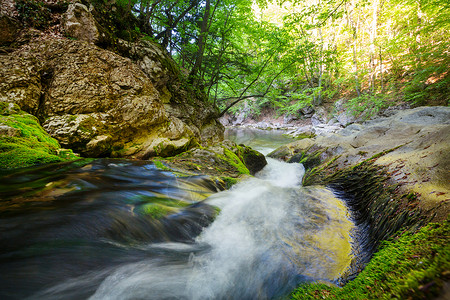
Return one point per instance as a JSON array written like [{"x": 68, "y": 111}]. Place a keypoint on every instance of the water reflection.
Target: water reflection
[{"x": 263, "y": 141}]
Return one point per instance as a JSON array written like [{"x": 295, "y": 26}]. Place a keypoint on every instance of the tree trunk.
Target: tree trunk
[
  {"x": 355, "y": 59},
  {"x": 381, "y": 72},
  {"x": 373, "y": 36},
  {"x": 319, "y": 94},
  {"x": 201, "y": 42}
]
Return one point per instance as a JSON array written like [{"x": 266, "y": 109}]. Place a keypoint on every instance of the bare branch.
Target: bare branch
[{"x": 242, "y": 97}]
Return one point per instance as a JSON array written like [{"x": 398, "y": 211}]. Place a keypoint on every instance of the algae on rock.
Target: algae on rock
[
  {"x": 226, "y": 161},
  {"x": 24, "y": 143},
  {"x": 411, "y": 266}
]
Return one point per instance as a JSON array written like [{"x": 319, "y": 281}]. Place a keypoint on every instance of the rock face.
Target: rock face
[
  {"x": 79, "y": 23},
  {"x": 9, "y": 28},
  {"x": 412, "y": 145},
  {"x": 99, "y": 103}
]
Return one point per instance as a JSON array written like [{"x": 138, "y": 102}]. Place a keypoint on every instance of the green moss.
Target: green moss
[
  {"x": 413, "y": 266},
  {"x": 309, "y": 160},
  {"x": 157, "y": 207},
  {"x": 160, "y": 165},
  {"x": 31, "y": 145},
  {"x": 7, "y": 109},
  {"x": 230, "y": 181},
  {"x": 313, "y": 172},
  {"x": 158, "y": 211},
  {"x": 234, "y": 160}
]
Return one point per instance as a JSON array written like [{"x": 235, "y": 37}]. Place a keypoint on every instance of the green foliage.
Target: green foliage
[
  {"x": 30, "y": 145},
  {"x": 291, "y": 54},
  {"x": 300, "y": 100},
  {"x": 367, "y": 105},
  {"x": 412, "y": 265}
]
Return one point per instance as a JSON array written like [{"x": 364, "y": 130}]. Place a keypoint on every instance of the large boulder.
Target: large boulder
[
  {"x": 412, "y": 145},
  {"x": 102, "y": 104},
  {"x": 226, "y": 160}
]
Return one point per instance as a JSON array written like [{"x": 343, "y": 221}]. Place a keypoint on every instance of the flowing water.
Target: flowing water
[{"x": 116, "y": 229}]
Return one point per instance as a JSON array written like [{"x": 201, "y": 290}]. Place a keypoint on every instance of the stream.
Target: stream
[{"x": 121, "y": 229}]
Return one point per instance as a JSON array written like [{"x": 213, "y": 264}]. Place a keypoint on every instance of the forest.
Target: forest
[
  {"x": 287, "y": 55},
  {"x": 119, "y": 179}
]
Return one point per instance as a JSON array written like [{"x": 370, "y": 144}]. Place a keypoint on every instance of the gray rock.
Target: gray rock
[
  {"x": 301, "y": 131},
  {"x": 339, "y": 105},
  {"x": 289, "y": 118},
  {"x": 333, "y": 121},
  {"x": 79, "y": 23},
  {"x": 307, "y": 110},
  {"x": 239, "y": 119},
  {"x": 9, "y": 131},
  {"x": 319, "y": 117},
  {"x": 262, "y": 125},
  {"x": 345, "y": 118},
  {"x": 324, "y": 129}
]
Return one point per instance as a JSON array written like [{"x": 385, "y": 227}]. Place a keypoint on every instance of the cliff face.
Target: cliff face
[{"x": 132, "y": 102}]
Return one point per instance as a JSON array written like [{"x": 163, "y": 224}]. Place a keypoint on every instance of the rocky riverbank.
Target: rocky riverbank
[
  {"x": 411, "y": 145},
  {"x": 307, "y": 122},
  {"x": 394, "y": 173}
]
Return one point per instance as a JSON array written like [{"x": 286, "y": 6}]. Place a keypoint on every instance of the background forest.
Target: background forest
[{"x": 290, "y": 54}]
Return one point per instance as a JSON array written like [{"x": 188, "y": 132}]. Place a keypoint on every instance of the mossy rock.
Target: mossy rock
[
  {"x": 308, "y": 160},
  {"x": 252, "y": 159},
  {"x": 24, "y": 143},
  {"x": 225, "y": 161},
  {"x": 411, "y": 266}
]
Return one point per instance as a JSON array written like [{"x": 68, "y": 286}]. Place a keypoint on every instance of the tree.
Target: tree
[{"x": 291, "y": 54}]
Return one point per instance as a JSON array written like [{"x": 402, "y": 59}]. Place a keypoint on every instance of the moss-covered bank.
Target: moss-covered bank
[
  {"x": 411, "y": 266},
  {"x": 24, "y": 143}
]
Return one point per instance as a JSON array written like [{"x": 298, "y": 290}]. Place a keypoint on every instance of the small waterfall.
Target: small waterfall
[
  {"x": 89, "y": 235},
  {"x": 270, "y": 235}
]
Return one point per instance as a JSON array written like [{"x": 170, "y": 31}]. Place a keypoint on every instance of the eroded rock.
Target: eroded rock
[
  {"x": 79, "y": 23},
  {"x": 412, "y": 145},
  {"x": 82, "y": 94}
]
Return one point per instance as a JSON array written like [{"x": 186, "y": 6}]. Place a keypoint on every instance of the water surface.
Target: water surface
[{"x": 117, "y": 229}]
